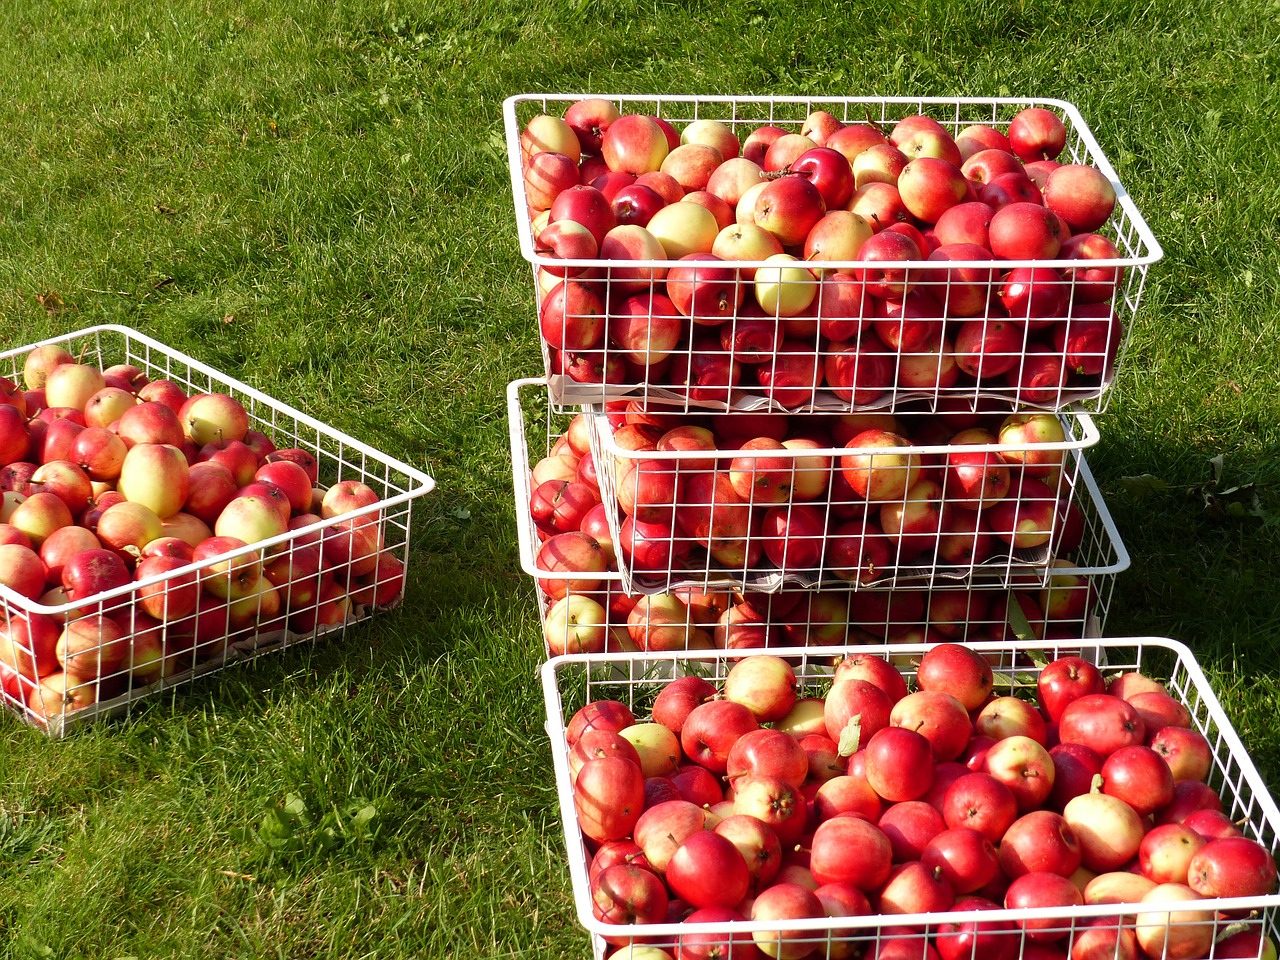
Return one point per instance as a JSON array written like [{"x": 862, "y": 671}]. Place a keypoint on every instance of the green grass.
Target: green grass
[{"x": 315, "y": 200}]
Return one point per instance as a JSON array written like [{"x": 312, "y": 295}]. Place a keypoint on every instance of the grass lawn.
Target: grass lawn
[{"x": 313, "y": 197}]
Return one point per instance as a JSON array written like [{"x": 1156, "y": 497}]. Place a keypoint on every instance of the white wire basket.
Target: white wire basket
[
  {"x": 1071, "y": 600},
  {"x": 690, "y": 517},
  {"x": 307, "y": 601},
  {"x": 569, "y": 682},
  {"x": 733, "y": 365}
]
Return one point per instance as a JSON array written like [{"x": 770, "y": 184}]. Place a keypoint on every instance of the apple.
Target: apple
[
  {"x": 1232, "y": 867},
  {"x": 1036, "y": 133},
  {"x": 1109, "y": 830},
  {"x": 92, "y": 647},
  {"x": 937, "y": 716},
  {"x": 1025, "y": 231},
  {"x": 979, "y": 801},
  {"x": 684, "y": 228},
  {"x": 1166, "y": 851},
  {"x": 711, "y": 729},
  {"x": 1185, "y": 750},
  {"x": 1024, "y": 766},
  {"x": 156, "y": 475},
  {"x": 765, "y": 684},
  {"x": 38, "y": 516},
  {"x": 958, "y": 670},
  {"x": 783, "y": 287},
  {"x": 1081, "y": 194},
  {"x": 1101, "y": 721},
  {"x": 1040, "y": 840},
  {"x": 780, "y": 903},
  {"x": 929, "y": 186},
  {"x": 127, "y": 527},
  {"x": 1174, "y": 933},
  {"x": 1007, "y": 716},
  {"x": 847, "y": 848},
  {"x": 899, "y": 763},
  {"x": 635, "y": 144},
  {"x": 1041, "y": 890},
  {"x": 72, "y": 384},
  {"x": 708, "y": 870}
]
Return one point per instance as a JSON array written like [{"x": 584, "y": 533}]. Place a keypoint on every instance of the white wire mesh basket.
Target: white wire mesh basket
[
  {"x": 600, "y": 613},
  {"x": 569, "y": 682},
  {"x": 314, "y": 580},
  {"x": 954, "y": 349}
]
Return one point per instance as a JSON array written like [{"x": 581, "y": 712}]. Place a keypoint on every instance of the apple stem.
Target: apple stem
[{"x": 1095, "y": 785}]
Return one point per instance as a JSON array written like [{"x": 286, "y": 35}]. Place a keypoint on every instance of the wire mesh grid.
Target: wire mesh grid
[
  {"x": 597, "y": 613},
  {"x": 570, "y": 682},
  {"x": 843, "y": 337},
  {"x": 234, "y": 603}
]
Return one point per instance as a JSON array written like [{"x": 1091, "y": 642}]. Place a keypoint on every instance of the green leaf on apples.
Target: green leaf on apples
[
  {"x": 850, "y": 736},
  {"x": 1018, "y": 623}
]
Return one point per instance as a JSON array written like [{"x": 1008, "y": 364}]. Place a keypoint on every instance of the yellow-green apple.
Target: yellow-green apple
[
  {"x": 107, "y": 405},
  {"x": 72, "y": 384},
  {"x": 811, "y": 477},
  {"x": 348, "y": 496},
  {"x": 1117, "y": 886},
  {"x": 42, "y": 359},
  {"x": 745, "y": 242},
  {"x": 157, "y": 475},
  {"x": 1109, "y": 830},
  {"x": 1173, "y": 933},
  {"x": 254, "y": 518},
  {"x": 546, "y": 132},
  {"x": 1008, "y": 716},
  {"x": 38, "y": 516},
  {"x": 656, "y": 745},
  {"x": 783, "y": 286},
  {"x": 684, "y": 228},
  {"x": 838, "y": 236},
  {"x": 206, "y": 417},
  {"x": 714, "y": 133}
]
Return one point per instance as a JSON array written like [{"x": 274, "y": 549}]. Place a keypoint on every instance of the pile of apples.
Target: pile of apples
[
  {"x": 879, "y": 263},
  {"x": 753, "y": 799},
  {"x": 589, "y": 611},
  {"x": 114, "y": 483},
  {"x": 758, "y": 496}
]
